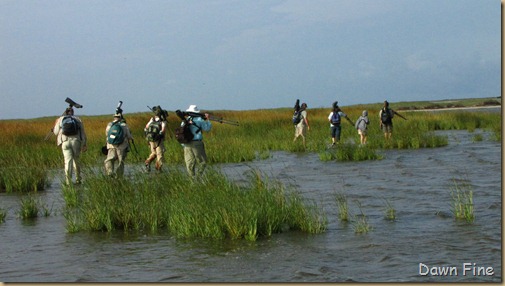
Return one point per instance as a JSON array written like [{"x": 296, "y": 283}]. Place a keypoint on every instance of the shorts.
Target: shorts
[
  {"x": 387, "y": 128},
  {"x": 362, "y": 132},
  {"x": 335, "y": 131}
]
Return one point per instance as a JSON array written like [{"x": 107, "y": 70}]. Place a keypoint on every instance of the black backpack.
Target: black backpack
[
  {"x": 153, "y": 131},
  {"x": 386, "y": 115},
  {"x": 69, "y": 126},
  {"x": 297, "y": 117},
  {"x": 183, "y": 134}
]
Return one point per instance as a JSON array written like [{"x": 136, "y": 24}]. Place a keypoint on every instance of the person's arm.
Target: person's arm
[
  {"x": 306, "y": 121},
  {"x": 205, "y": 123},
  {"x": 346, "y": 117}
]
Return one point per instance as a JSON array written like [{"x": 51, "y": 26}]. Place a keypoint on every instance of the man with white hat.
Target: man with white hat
[{"x": 194, "y": 151}]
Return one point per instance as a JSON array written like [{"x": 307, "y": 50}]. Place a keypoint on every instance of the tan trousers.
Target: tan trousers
[
  {"x": 71, "y": 155},
  {"x": 113, "y": 155},
  {"x": 195, "y": 158}
]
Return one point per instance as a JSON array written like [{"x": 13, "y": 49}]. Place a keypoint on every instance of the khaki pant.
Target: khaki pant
[
  {"x": 115, "y": 154},
  {"x": 195, "y": 157},
  {"x": 71, "y": 155},
  {"x": 157, "y": 152}
]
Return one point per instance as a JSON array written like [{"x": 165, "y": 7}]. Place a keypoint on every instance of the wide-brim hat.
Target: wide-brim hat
[{"x": 193, "y": 108}]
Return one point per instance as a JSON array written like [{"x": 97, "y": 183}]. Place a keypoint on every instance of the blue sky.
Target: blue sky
[{"x": 239, "y": 55}]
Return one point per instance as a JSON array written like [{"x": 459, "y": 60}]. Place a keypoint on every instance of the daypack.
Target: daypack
[
  {"x": 69, "y": 126},
  {"x": 386, "y": 116},
  {"x": 335, "y": 118},
  {"x": 115, "y": 135},
  {"x": 153, "y": 131},
  {"x": 183, "y": 134},
  {"x": 297, "y": 117}
]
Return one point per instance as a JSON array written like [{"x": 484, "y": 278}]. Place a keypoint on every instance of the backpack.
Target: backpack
[
  {"x": 115, "y": 135},
  {"x": 386, "y": 116},
  {"x": 335, "y": 118},
  {"x": 297, "y": 117},
  {"x": 153, "y": 131},
  {"x": 183, "y": 134},
  {"x": 69, "y": 126}
]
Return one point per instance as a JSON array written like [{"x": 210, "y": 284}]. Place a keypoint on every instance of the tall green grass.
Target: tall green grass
[
  {"x": 26, "y": 159},
  {"x": 462, "y": 202},
  {"x": 211, "y": 208}
]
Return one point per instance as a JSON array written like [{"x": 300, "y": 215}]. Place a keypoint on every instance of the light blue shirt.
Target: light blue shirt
[{"x": 199, "y": 125}]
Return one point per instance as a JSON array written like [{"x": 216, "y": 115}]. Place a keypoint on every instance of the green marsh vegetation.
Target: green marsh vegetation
[
  {"x": 462, "y": 205},
  {"x": 211, "y": 208},
  {"x": 28, "y": 164}
]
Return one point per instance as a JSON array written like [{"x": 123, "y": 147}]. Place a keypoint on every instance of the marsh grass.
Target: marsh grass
[
  {"x": 389, "y": 211},
  {"x": 27, "y": 159},
  {"x": 211, "y": 208},
  {"x": 462, "y": 205},
  {"x": 29, "y": 207},
  {"x": 3, "y": 215},
  {"x": 477, "y": 138},
  {"x": 360, "y": 221},
  {"x": 343, "y": 207}
]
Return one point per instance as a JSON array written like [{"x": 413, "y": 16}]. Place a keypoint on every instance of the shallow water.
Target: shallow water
[{"x": 417, "y": 183}]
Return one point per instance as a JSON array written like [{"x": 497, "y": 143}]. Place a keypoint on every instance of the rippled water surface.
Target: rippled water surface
[{"x": 417, "y": 183}]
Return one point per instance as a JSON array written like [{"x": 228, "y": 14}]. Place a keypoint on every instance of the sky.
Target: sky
[{"x": 243, "y": 54}]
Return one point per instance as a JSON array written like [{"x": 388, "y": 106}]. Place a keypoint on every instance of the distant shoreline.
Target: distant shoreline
[{"x": 453, "y": 108}]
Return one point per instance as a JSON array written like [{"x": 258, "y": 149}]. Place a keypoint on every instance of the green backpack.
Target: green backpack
[
  {"x": 153, "y": 131},
  {"x": 115, "y": 135}
]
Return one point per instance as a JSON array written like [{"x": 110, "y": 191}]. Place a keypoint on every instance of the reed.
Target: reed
[
  {"x": 213, "y": 207},
  {"x": 29, "y": 207},
  {"x": 343, "y": 207},
  {"x": 3, "y": 215},
  {"x": 462, "y": 202},
  {"x": 360, "y": 222},
  {"x": 389, "y": 211}
]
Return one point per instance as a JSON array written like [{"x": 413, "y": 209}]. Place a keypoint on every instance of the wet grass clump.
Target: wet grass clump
[
  {"x": 389, "y": 211},
  {"x": 462, "y": 202},
  {"x": 3, "y": 215},
  {"x": 343, "y": 207},
  {"x": 212, "y": 207},
  {"x": 360, "y": 221}
]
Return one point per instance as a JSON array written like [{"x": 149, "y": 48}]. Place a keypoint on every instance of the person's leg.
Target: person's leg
[
  {"x": 160, "y": 158},
  {"x": 109, "y": 161},
  {"x": 200, "y": 157},
  {"x": 189, "y": 158},
  {"x": 76, "y": 149},
  {"x": 121, "y": 156},
  {"x": 68, "y": 158}
]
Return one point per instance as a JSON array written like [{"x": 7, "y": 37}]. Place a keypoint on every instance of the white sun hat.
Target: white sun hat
[{"x": 193, "y": 108}]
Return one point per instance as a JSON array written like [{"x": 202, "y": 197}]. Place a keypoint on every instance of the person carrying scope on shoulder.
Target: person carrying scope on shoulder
[
  {"x": 155, "y": 136},
  {"x": 194, "y": 150},
  {"x": 302, "y": 124},
  {"x": 335, "y": 119},
  {"x": 118, "y": 145},
  {"x": 71, "y": 136},
  {"x": 386, "y": 115}
]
